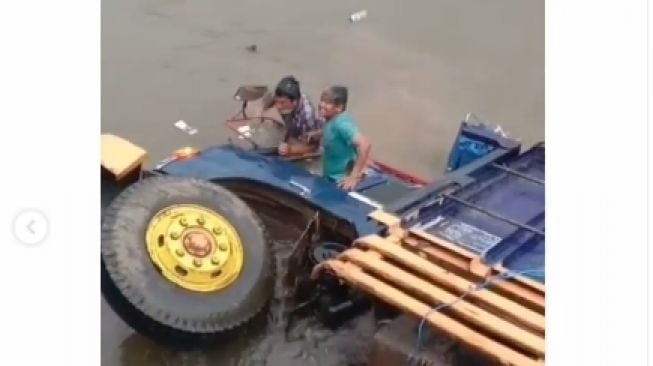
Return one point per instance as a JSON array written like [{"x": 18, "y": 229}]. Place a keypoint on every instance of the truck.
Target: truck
[{"x": 185, "y": 255}]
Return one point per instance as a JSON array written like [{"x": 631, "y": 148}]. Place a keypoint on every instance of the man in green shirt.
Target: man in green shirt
[{"x": 346, "y": 150}]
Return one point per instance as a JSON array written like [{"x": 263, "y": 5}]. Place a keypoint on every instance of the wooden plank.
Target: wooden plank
[
  {"x": 463, "y": 252},
  {"x": 525, "y": 280},
  {"x": 385, "y": 218},
  {"x": 533, "y": 298},
  {"x": 372, "y": 262},
  {"x": 490, "y": 347},
  {"x": 445, "y": 278},
  {"x": 477, "y": 267},
  {"x": 443, "y": 243},
  {"x": 437, "y": 254}
]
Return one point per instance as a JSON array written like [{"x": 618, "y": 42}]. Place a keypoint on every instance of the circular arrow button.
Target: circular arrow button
[{"x": 31, "y": 227}]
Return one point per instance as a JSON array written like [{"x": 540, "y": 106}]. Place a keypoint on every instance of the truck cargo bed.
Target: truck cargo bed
[{"x": 463, "y": 251}]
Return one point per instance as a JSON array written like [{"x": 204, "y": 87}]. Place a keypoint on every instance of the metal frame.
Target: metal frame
[
  {"x": 492, "y": 214},
  {"x": 407, "y": 205},
  {"x": 517, "y": 173}
]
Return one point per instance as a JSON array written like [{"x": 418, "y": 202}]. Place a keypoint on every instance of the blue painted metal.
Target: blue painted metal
[
  {"x": 473, "y": 142},
  {"x": 506, "y": 195},
  {"x": 228, "y": 162},
  {"x": 474, "y": 178}
]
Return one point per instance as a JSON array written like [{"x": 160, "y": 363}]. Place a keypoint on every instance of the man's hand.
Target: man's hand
[
  {"x": 284, "y": 149},
  {"x": 312, "y": 137},
  {"x": 349, "y": 183}
]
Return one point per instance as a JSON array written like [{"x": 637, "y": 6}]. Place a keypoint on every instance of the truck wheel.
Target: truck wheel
[{"x": 184, "y": 260}]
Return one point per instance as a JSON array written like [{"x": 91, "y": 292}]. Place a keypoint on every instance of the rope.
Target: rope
[{"x": 488, "y": 282}]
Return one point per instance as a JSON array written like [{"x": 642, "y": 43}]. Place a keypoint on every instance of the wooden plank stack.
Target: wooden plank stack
[{"x": 415, "y": 271}]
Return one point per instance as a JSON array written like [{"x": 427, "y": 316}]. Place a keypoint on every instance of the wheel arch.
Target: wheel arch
[{"x": 255, "y": 193}]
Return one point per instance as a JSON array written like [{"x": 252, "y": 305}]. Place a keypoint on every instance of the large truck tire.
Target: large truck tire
[{"x": 184, "y": 260}]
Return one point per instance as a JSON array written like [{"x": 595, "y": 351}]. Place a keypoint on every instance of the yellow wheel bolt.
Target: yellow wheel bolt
[
  {"x": 217, "y": 231},
  {"x": 197, "y": 263},
  {"x": 175, "y": 236},
  {"x": 215, "y": 260},
  {"x": 180, "y": 252},
  {"x": 201, "y": 221},
  {"x": 183, "y": 222},
  {"x": 222, "y": 247}
]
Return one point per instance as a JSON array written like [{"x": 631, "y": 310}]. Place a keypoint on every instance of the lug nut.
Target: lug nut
[
  {"x": 175, "y": 235},
  {"x": 215, "y": 260},
  {"x": 197, "y": 263},
  {"x": 201, "y": 221},
  {"x": 217, "y": 230},
  {"x": 222, "y": 247},
  {"x": 180, "y": 252},
  {"x": 183, "y": 222}
]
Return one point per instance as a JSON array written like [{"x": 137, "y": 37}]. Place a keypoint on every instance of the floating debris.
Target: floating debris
[
  {"x": 358, "y": 16},
  {"x": 244, "y": 132},
  {"x": 252, "y": 48},
  {"x": 185, "y": 127}
]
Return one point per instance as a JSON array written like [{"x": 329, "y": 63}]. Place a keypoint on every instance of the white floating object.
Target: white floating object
[
  {"x": 183, "y": 126},
  {"x": 245, "y": 131},
  {"x": 358, "y": 16}
]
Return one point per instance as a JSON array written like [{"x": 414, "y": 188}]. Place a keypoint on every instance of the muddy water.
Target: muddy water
[
  {"x": 273, "y": 339},
  {"x": 414, "y": 69}
]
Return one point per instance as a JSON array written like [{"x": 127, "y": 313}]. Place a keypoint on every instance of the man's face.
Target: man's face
[
  {"x": 327, "y": 109},
  {"x": 284, "y": 105}
]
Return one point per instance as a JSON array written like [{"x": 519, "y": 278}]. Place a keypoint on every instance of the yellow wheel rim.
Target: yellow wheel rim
[{"x": 194, "y": 247}]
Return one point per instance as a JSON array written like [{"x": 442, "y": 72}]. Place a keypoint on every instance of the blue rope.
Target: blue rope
[{"x": 491, "y": 280}]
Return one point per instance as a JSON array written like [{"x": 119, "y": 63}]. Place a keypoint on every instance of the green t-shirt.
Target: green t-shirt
[{"x": 340, "y": 153}]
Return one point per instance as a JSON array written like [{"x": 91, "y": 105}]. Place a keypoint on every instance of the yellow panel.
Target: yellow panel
[{"x": 120, "y": 156}]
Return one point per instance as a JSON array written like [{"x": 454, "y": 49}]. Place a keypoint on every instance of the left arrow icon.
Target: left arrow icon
[{"x": 31, "y": 227}]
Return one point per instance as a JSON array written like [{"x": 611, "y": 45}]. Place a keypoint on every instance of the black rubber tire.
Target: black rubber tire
[{"x": 154, "y": 306}]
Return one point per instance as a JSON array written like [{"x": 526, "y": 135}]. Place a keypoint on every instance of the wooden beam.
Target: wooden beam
[
  {"x": 441, "y": 276},
  {"x": 385, "y": 218},
  {"x": 443, "y": 243},
  {"x": 524, "y": 280},
  {"x": 437, "y": 254},
  {"x": 527, "y": 295},
  {"x": 372, "y": 262},
  {"x": 490, "y": 347},
  {"x": 465, "y": 253}
]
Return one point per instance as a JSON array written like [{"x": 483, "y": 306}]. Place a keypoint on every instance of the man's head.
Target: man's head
[
  {"x": 287, "y": 95},
  {"x": 333, "y": 101}
]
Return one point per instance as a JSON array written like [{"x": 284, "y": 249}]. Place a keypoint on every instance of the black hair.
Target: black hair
[
  {"x": 288, "y": 87},
  {"x": 337, "y": 95}
]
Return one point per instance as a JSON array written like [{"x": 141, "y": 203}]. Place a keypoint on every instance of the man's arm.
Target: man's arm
[
  {"x": 310, "y": 143},
  {"x": 364, "y": 147},
  {"x": 351, "y": 133},
  {"x": 301, "y": 148}
]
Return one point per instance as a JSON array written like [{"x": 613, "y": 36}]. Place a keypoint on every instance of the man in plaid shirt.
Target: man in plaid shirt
[{"x": 299, "y": 116}]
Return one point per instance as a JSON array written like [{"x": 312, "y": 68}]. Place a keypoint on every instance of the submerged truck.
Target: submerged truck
[{"x": 186, "y": 255}]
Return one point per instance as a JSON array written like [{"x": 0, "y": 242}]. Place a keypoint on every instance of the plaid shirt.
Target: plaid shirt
[{"x": 302, "y": 120}]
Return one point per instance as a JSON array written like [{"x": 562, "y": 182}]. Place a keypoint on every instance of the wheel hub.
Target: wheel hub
[
  {"x": 198, "y": 244},
  {"x": 194, "y": 247}
]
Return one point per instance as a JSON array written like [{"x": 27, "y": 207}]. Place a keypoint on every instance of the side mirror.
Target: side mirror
[{"x": 251, "y": 93}]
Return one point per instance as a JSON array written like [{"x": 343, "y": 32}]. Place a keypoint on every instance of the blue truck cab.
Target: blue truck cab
[{"x": 490, "y": 201}]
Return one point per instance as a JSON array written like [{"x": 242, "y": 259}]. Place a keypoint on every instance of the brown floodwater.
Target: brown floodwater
[{"x": 414, "y": 69}]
